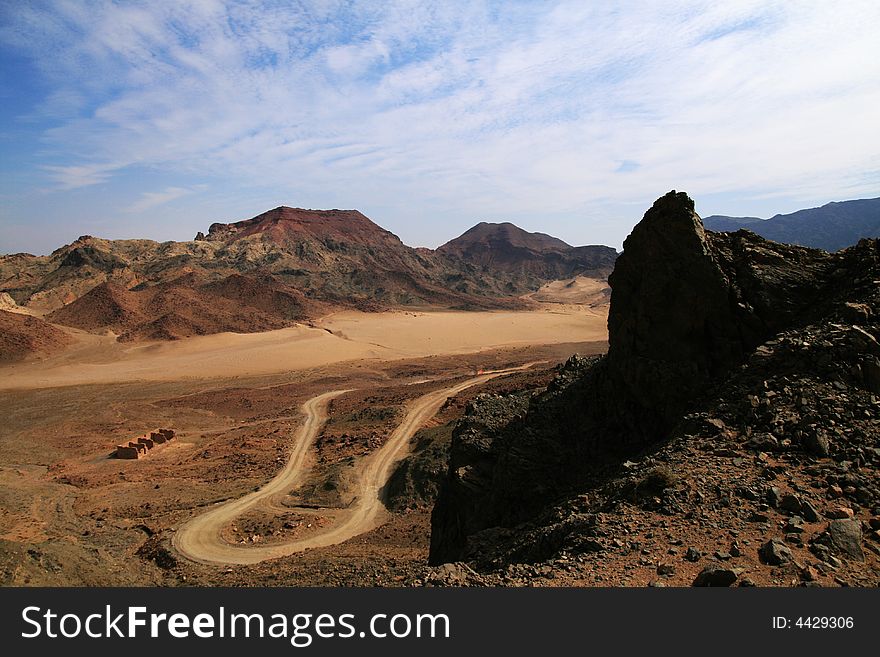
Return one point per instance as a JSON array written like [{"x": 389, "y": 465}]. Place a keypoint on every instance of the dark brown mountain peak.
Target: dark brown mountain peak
[
  {"x": 508, "y": 248},
  {"x": 503, "y": 235}
]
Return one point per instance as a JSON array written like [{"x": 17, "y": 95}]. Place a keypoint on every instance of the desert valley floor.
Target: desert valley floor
[{"x": 73, "y": 514}]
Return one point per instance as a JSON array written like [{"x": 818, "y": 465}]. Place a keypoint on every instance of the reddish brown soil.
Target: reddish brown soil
[{"x": 23, "y": 336}]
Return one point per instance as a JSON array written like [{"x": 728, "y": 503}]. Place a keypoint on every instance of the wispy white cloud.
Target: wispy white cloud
[
  {"x": 481, "y": 108},
  {"x": 79, "y": 175},
  {"x": 150, "y": 200}
]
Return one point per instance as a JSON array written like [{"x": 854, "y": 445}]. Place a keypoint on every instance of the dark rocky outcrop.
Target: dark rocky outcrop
[
  {"x": 728, "y": 336},
  {"x": 687, "y": 306},
  {"x": 415, "y": 482}
]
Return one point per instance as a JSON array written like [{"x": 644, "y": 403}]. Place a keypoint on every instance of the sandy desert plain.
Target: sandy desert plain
[{"x": 285, "y": 441}]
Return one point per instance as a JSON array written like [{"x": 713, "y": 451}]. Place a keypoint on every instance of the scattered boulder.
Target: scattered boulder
[
  {"x": 809, "y": 512},
  {"x": 791, "y": 503},
  {"x": 450, "y": 574},
  {"x": 715, "y": 576},
  {"x": 795, "y": 525},
  {"x": 846, "y": 536},
  {"x": 774, "y": 553},
  {"x": 816, "y": 442}
]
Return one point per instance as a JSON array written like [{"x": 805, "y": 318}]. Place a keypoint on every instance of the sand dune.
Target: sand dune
[
  {"x": 339, "y": 337},
  {"x": 579, "y": 290},
  {"x": 426, "y": 333}
]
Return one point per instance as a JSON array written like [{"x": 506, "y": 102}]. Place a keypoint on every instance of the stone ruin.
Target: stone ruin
[{"x": 144, "y": 443}]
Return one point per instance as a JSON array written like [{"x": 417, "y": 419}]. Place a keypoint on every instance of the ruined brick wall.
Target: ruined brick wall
[{"x": 142, "y": 444}]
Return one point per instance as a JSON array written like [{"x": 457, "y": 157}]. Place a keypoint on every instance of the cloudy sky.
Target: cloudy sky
[{"x": 155, "y": 119}]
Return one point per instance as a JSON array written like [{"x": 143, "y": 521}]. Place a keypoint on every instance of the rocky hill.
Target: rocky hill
[
  {"x": 831, "y": 227},
  {"x": 732, "y": 427},
  {"x": 291, "y": 226},
  {"x": 524, "y": 260},
  {"x": 23, "y": 336},
  {"x": 279, "y": 267},
  {"x": 342, "y": 257},
  {"x": 336, "y": 256},
  {"x": 186, "y": 306},
  {"x": 46, "y": 283}
]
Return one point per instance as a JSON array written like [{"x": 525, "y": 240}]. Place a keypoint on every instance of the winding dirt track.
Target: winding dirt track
[{"x": 200, "y": 538}]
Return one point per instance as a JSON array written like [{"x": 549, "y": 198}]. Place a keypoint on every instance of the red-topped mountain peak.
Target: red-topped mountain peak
[{"x": 284, "y": 224}]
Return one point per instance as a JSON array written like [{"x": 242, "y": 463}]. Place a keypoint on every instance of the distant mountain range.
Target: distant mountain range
[
  {"x": 831, "y": 227},
  {"x": 280, "y": 267}
]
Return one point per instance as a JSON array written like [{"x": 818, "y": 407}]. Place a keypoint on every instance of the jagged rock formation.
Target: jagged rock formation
[
  {"x": 728, "y": 339},
  {"x": 46, "y": 283},
  {"x": 687, "y": 306},
  {"x": 831, "y": 227}
]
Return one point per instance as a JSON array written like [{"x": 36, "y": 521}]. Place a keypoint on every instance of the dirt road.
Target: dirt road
[{"x": 200, "y": 539}]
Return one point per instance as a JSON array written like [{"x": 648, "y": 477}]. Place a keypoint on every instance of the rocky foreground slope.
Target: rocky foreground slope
[{"x": 731, "y": 434}]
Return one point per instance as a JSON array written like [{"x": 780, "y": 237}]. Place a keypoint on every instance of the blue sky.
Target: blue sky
[{"x": 155, "y": 119}]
